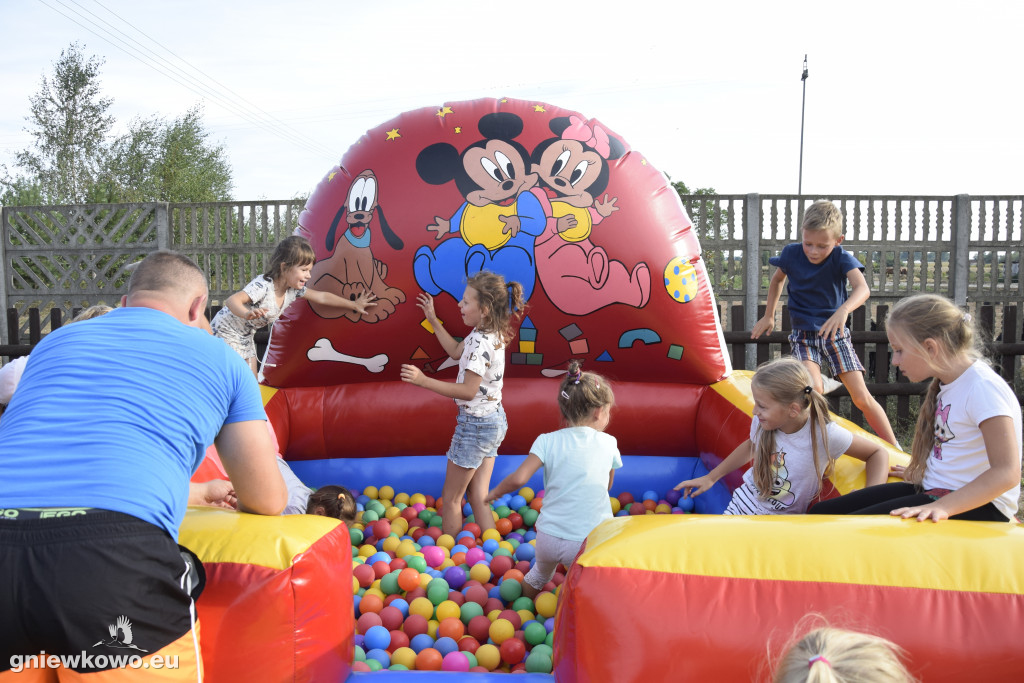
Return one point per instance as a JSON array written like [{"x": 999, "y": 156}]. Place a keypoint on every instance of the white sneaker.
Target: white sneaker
[{"x": 829, "y": 385}]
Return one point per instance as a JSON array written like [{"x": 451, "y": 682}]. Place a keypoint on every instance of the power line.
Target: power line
[{"x": 226, "y": 103}]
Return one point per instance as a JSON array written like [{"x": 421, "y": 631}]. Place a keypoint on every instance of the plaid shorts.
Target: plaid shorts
[{"x": 807, "y": 345}]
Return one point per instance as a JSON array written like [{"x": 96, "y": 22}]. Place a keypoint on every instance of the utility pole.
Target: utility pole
[{"x": 803, "y": 106}]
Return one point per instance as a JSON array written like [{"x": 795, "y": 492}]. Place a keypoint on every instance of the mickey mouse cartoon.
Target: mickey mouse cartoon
[
  {"x": 577, "y": 275},
  {"x": 501, "y": 217}
]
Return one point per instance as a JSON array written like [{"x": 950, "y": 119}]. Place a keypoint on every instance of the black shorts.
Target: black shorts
[{"x": 101, "y": 585}]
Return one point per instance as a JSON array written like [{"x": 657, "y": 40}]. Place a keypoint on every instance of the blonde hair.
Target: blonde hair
[
  {"x": 917, "y": 319},
  {"x": 835, "y": 655},
  {"x": 502, "y": 303},
  {"x": 787, "y": 381},
  {"x": 92, "y": 312},
  {"x": 824, "y": 215},
  {"x": 581, "y": 393}
]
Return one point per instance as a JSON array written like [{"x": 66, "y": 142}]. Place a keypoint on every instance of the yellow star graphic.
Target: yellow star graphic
[
  {"x": 444, "y": 111},
  {"x": 504, "y": 100},
  {"x": 458, "y": 129},
  {"x": 643, "y": 162},
  {"x": 539, "y": 108},
  {"x": 330, "y": 176},
  {"x": 393, "y": 134}
]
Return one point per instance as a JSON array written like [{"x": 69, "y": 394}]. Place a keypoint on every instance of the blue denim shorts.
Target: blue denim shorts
[
  {"x": 477, "y": 438},
  {"x": 837, "y": 352}
]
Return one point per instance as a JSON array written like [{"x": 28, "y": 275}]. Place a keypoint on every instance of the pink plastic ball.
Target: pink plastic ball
[
  {"x": 455, "y": 661},
  {"x": 433, "y": 555},
  {"x": 474, "y": 556}
]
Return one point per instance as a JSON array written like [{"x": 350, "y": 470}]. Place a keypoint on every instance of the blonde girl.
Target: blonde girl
[
  {"x": 794, "y": 444},
  {"x": 835, "y": 655},
  {"x": 490, "y": 307},
  {"x": 579, "y": 464},
  {"x": 966, "y": 456},
  {"x": 263, "y": 300}
]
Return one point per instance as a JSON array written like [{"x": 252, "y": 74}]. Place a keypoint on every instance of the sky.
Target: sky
[{"x": 902, "y": 98}]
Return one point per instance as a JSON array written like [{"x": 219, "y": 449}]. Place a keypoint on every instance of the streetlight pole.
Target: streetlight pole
[{"x": 803, "y": 106}]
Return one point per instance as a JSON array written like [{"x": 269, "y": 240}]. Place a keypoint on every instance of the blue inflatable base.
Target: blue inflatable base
[{"x": 425, "y": 474}]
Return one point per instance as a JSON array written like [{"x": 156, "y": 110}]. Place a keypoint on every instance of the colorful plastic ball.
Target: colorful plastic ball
[
  {"x": 455, "y": 661},
  {"x": 637, "y": 509},
  {"x": 475, "y": 555},
  {"x": 437, "y": 591},
  {"x": 377, "y": 637},
  {"x": 504, "y": 526},
  {"x": 538, "y": 662},
  {"x": 501, "y": 564},
  {"x": 625, "y": 498},
  {"x": 428, "y": 659},
  {"x": 447, "y": 609},
  {"x": 362, "y": 666},
  {"x": 512, "y": 651},
  {"x": 367, "y": 621},
  {"x": 408, "y": 579},
  {"x": 512, "y": 617},
  {"x": 534, "y": 633},
  {"x": 501, "y": 630},
  {"x": 389, "y": 583},
  {"x": 546, "y": 604},
  {"x": 510, "y": 589},
  {"x": 673, "y": 496},
  {"x": 469, "y": 644},
  {"x": 382, "y": 528},
  {"x": 363, "y": 573},
  {"x": 370, "y": 602},
  {"x": 420, "y": 642},
  {"x": 525, "y": 551},
  {"x": 423, "y": 607},
  {"x": 403, "y": 655},
  {"x": 530, "y": 518},
  {"x": 455, "y": 577},
  {"x": 414, "y": 625},
  {"x": 391, "y": 618},
  {"x": 451, "y": 627},
  {"x": 444, "y": 645},
  {"x": 470, "y": 610},
  {"x": 381, "y": 656},
  {"x": 479, "y": 627},
  {"x": 481, "y": 572},
  {"x": 434, "y": 555},
  {"x": 488, "y": 656},
  {"x": 650, "y": 495},
  {"x": 686, "y": 504},
  {"x": 398, "y": 640}
]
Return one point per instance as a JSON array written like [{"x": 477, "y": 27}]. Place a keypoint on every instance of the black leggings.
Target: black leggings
[{"x": 884, "y": 498}]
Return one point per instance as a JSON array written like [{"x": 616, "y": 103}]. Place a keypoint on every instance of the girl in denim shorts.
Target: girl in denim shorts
[{"x": 490, "y": 307}]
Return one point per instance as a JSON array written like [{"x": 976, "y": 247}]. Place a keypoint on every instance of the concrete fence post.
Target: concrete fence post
[{"x": 752, "y": 269}]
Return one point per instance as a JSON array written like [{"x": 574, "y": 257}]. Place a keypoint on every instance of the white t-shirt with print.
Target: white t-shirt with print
[
  {"x": 484, "y": 355},
  {"x": 959, "y": 454},
  {"x": 796, "y": 482}
]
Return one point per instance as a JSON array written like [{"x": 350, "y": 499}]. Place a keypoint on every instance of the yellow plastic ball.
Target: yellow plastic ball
[
  {"x": 422, "y": 607},
  {"x": 432, "y": 628},
  {"x": 405, "y": 549},
  {"x": 501, "y": 630},
  {"x": 374, "y": 589},
  {"x": 371, "y": 492},
  {"x": 417, "y": 498},
  {"x": 488, "y": 656},
  {"x": 616, "y": 505},
  {"x": 546, "y": 603},
  {"x": 490, "y": 535},
  {"x": 402, "y": 498},
  {"x": 355, "y": 585},
  {"x": 366, "y": 550},
  {"x": 425, "y": 580},
  {"x": 386, "y": 492},
  {"x": 448, "y": 609},
  {"x": 446, "y": 564},
  {"x": 405, "y": 656},
  {"x": 480, "y": 572},
  {"x": 507, "y": 546},
  {"x": 527, "y": 493},
  {"x": 494, "y": 614},
  {"x": 391, "y": 543},
  {"x": 391, "y": 513},
  {"x": 445, "y": 541},
  {"x": 663, "y": 509},
  {"x": 525, "y": 615}
]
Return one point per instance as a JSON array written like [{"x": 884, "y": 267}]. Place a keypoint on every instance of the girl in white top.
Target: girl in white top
[
  {"x": 966, "y": 457},
  {"x": 490, "y": 307},
  {"x": 793, "y": 443},
  {"x": 579, "y": 464},
  {"x": 263, "y": 300}
]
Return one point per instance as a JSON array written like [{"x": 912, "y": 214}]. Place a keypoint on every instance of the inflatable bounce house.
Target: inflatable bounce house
[{"x": 613, "y": 275}]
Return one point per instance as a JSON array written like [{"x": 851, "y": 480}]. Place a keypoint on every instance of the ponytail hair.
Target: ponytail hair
[
  {"x": 502, "y": 302},
  {"x": 333, "y": 501},
  {"x": 917, "y": 319},
  {"x": 834, "y": 655},
  {"x": 787, "y": 381},
  {"x": 581, "y": 393}
]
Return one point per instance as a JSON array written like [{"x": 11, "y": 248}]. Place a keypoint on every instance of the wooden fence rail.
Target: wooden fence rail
[{"x": 884, "y": 381}]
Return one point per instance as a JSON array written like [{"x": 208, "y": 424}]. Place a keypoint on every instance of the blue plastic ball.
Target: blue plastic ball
[
  {"x": 420, "y": 642},
  {"x": 377, "y": 638},
  {"x": 650, "y": 495},
  {"x": 490, "y": 545},
  {"x": 379, "y": 655},
  {"x": 686, "y": 504},
  {"x": 402, "y": 605},
  {"x": 444, "y": 645},
  {"x": 525, "y": 551},
  {"x": 516, "y": 502}
]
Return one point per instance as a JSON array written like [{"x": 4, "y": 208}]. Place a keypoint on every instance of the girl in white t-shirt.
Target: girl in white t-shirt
[
  {"x": 263, "y": 300},
  {"x": 490, "y": 307},
  {"x": 579, "y": 464},
  {"x": 794, "y": 444},
  {"x": 966, "y": 458}
]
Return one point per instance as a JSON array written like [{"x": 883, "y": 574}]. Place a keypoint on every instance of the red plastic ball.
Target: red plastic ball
[
  {"x": 469, "y": 644},
  {"x": 477, "y": 594},
  {"x": 512, "y": 617},
  {"x": 364, "y": 574},
  {"x": 457, "y": 597},
  {"x": 414, "y": 625},
  {"x": 398, "y": 639},
  {"x": 516, "y": 519},
  {"x": 418, "y": 592},
  {"x": 480, "y": 628},
  {"x": 473, "y": 528},
  {"x": 512, "y": 651},
  {"x": 501, "y": 564},
  {"x": 637, "y": 509},
  {"x": 398, "y": 563},
  {"x": 625, "y": 499},
  {"x": 382, "y": 528},
  {"x": 365, "y": 621},
  {"x": 493, "y": 604},
  {"x": 523, "y": 566},
  {"x": 381, "y": 569},
  {"x": 391, "y": 618}
]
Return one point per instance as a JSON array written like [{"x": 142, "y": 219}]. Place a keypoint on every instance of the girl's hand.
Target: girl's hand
[
  {"x": 412, "y": 375},
  {"x": 694, "y": 487},
  {"x": 492, "y": 496},
  {"x": 426, "y": 304},
  {"x": 255, "y": 313},
  {"x": 364, "y": 301},
  {"x": 897, "y": 471},
  {"x": 932, "y": 511}
]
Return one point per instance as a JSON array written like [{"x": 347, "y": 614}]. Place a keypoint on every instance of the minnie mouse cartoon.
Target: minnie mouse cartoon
[
  {"x": 501, "y": 217},
  {"x": 577, "y": 275}
]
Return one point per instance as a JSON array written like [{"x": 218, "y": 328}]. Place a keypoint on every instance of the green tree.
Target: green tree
[
  {"x": 69, "y": 122},
  {"x": 711, "y": 222},
  {"x": 167, "y": 161}
]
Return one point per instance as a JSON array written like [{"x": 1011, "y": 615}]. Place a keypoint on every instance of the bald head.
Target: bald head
[{"x": 168, "y": 281}]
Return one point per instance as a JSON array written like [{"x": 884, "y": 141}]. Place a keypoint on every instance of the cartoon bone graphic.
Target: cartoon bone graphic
[{"x": 322, "y": 350}]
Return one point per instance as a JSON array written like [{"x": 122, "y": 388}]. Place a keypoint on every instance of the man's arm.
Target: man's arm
[{"x": 249, "y": 457}]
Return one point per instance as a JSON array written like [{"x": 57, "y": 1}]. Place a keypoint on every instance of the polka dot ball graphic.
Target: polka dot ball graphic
[{"x": 681, "y": 280}]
